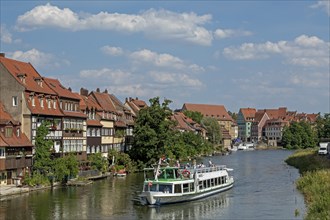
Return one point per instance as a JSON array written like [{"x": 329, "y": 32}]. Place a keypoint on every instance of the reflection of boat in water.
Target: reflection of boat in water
[
  {"x": 173, "y": 184},
  {"x": 207, "y": 207}
]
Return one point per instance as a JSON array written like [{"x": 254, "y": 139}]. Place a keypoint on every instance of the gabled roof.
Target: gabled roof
[
  {"x": 59, "y": 89},
  {"x": 18, "y": 68},
  {"x": 135, "y": 104},
  {"x": 87, "y": 102},
  {"x": 38, "y": 110},
  {"x": 216, "y": 111},
  {"x": 13, "y": 141},
  {"x": 182, "y": 121},
  {"x": 275, "y": 113},
  {"x": 95, "y": 123},
  {"x": 259, "y": 115},
  {"x": 103, "y": 99},
  {"x": 5, "y": 117},
  {"x": 248, "y": 113}
]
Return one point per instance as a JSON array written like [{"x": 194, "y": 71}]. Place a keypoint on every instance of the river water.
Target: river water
[{"x": 264, "y": 189}]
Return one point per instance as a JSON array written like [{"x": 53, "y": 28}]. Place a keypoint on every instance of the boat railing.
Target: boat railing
[{"x": 210, "y": 169}]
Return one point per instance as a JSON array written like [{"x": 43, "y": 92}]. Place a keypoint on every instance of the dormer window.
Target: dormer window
[
  {"x": 41, "y": 103},
  {"x": 15, "y": 100},
  {"x": 8, "y": 132},
  {"x": 38, "y": 81},
  {"x": 21, "y": 77},
  {"x": 49, "y": 103},
  {"x": 54, "y": 104},
  {"x": 33, "y": 101},
  {"x": 18, "y": 132}
]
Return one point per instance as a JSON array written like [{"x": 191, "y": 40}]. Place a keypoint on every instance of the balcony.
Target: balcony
[
  {"x": 18, "y": 161},
  {"x": 73, "y": 132}
]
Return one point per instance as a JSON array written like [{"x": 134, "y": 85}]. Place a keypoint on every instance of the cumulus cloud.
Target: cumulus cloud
[
  {"x": 324, "y": 4},
  {"x": 113, "y": 51},
  {"x": 303, "y": 51},
  {"x": 162, "y": 24},
  {"x": 6, "y": 36},
  {"x": 38, "y": 59},
  {"x": 178, "y": 79},
  {"x": 150, "y": 58},
  {"x": 226, "y": 33},
  {"x": 116, "y": 76}
]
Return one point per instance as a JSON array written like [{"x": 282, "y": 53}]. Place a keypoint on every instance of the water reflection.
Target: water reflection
[{"x": 205, "y": 208}]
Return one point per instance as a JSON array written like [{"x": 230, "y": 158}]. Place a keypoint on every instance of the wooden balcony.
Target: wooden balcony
[{"x": 19, "y": 161}]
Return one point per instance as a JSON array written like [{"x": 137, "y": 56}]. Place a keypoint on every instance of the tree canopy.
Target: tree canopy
[
  {"x": 152, "y": 132},
  {"x": 213, "y": 130},
  {"x": 299, "y": 135}
]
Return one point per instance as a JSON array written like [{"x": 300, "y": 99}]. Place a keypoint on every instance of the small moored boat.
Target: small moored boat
[{"x": 168, "y": 184}]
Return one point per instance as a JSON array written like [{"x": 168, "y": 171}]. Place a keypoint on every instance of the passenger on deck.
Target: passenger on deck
[{"x": 210, "y": 163}]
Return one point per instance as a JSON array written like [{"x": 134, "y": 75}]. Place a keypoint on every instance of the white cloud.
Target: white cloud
[
  {"x": 38, "y": 59},
  {"x": 310, "y": 80},
  {"x": 226, "y": 33},
  {"x": 117, "y": 77},
  {"x": 6, "y": 36},
  {"x": 163, "y": 60},
  {"x": 324, "y": 4},
  {"x": 161, "y": 24},
  {"x": 303, "y": 51},
  {"x": 177, "y": 79},
  {"x": 113, "y": 51}
]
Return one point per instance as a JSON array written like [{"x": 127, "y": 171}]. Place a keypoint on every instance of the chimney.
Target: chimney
[
  {"x": 97, "y": 89},
  {"x": 2, "y": 55},
  {"x": 83, "y": 92},
  {"x": 105, "y": 91},
  {"x": 70, "y": 89}
]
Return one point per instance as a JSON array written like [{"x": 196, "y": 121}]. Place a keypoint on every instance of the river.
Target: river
[{"x": 264, "y": 189}]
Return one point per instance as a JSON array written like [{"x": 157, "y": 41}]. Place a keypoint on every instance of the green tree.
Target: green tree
[
  {"x": 66, "y": 167},
  {"x": 98, "y": 162},
  {"x": 299, "y": 135},
  {"x": 194, "y": 115},
  {"x": 42, "y": 160},
  {"x": 323, "y": 126},
  {"x": 213, "y": 130},
  {"x": 152, "y": 132},
  {"x": 122, "y": 160},
  {"x": 233, "y": 115}
]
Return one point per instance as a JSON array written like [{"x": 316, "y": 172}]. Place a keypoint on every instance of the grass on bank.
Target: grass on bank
[{"x": 314, "y": 182}]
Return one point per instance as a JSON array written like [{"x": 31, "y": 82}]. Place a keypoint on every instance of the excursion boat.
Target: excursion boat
[{"x": 165, "y": 184}]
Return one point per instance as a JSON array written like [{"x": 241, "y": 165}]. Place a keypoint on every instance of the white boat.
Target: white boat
[
  {"x": 245, "y": 146},
  {"x": 242, "y": 146},
  {"x": 173, "y": 185}
]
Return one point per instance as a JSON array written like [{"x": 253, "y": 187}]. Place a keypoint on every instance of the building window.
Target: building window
[
  {"x": 33, "y": 102},
  {"x": 8, "y": 132},
  {"x": 15, "y": 100},
  {"x": 54, "y": 104},
  {"x": 18, "y": 132},
  {"x": 49, "y": 103},
  {"x": 41, "y": 103},
  {"x": 2, "y": 152}
]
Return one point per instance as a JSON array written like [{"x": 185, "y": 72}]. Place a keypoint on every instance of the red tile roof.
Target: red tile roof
[
  {"x": 59, "y": 89},
  {"x": 37, "y": 109},
  {"x": 103, "y": 99},
  {"x": 17, "y": 68},
  {"x": 95, "y": 123},
  {"x": 216, "y": 111},
  {"x": 182, "y": 121},
  {"x": 13, "y": 141},
  {"x": 248, "y": 113}
]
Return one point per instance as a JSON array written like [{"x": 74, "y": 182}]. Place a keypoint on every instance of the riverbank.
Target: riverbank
[{"x": 314, "y": 182}]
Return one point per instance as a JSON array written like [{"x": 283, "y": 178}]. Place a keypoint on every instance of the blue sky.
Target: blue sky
[{"x": 260, "y": 54}]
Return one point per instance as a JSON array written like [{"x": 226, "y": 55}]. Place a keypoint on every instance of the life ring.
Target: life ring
[{"x": 186, "y": 173}]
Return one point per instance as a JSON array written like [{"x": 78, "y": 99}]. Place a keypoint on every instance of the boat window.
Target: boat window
[
  {"x": 192, "y": 187},
  {"x": 165, "y": 188},
  {"x": 216, "y": 181},
  {"x": 200, "y": 184},
  {"x": 212, "y": 182},
  {"x": 208, "y": 183},
  {"x": 177, "y": 188},
  {"x": 204, "y": 184},
  {"x": 186, "y": 187},
  {"x": 153, "y": 187}
]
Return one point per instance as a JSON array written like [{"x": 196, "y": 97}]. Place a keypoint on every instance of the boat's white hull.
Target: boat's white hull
[{"x": 161, "y": 198}]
